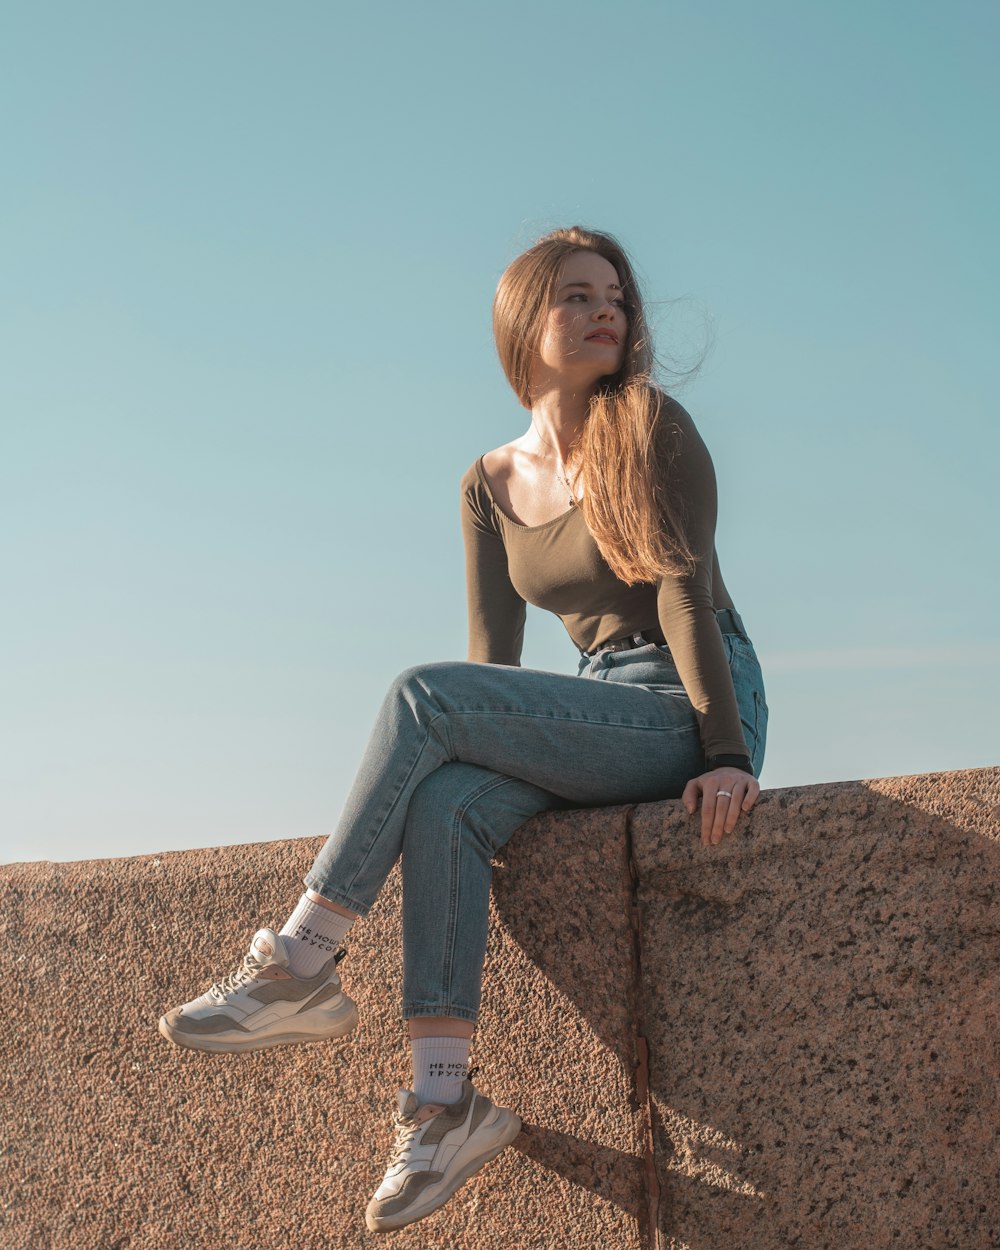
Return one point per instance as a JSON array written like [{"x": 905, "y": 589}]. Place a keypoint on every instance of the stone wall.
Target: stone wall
[{"x": 786, "y": 1040}]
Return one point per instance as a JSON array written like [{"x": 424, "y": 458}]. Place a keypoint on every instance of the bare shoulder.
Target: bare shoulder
[
  {"x": 500, "y": 469},
  {"x": 513, "y": 484},
  {"x": 518, "y": 484},
  {"x": 498, "y": 464}
]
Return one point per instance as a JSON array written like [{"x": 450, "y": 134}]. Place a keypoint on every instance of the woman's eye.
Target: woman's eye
[{"x": 619, "y": 303}]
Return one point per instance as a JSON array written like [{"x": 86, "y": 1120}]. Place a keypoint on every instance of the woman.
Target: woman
[{"x": 604, "y": 513}]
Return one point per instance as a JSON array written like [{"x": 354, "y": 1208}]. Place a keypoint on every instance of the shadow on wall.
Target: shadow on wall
[{"x": 821, "y": 999}]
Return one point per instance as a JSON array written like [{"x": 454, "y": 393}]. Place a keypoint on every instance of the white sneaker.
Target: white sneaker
[
  {"x": 437, "y": 1148},
  {"x": 262, "y": 1004}
]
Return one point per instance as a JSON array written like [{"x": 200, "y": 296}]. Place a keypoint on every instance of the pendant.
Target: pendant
[{"x": 569, "y": 487}]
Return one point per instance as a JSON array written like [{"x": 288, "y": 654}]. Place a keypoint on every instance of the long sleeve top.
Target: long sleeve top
[{"x": 557, "y": 566}]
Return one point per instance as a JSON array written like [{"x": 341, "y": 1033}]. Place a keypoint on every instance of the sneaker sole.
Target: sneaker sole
[
  {"x": 327, "y": 1027},
  {"x": 509, "y": 1126}
]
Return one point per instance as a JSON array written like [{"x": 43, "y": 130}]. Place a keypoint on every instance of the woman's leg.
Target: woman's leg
[
  {"x": 590, "y": 742},
  {"x": 458, "y": 818},
  {"x": 461, "y": 813}
]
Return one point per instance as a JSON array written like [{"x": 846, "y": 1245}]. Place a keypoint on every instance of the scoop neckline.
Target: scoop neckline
[{"x": 509, "y": 519}]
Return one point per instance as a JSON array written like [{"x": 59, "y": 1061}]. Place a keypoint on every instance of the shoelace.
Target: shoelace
[
  {"x": 406, "y": 1130},
  {"x": 247, "y": 969}
]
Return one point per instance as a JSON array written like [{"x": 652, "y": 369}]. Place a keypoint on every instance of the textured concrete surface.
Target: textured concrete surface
[
  {"x": 819, "y": 994},
  {"x": 822, "y": 1002},
  {"x": 113, "y": 1139}
]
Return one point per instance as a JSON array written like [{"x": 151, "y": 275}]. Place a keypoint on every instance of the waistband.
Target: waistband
[{"x": 730, "y": 622}]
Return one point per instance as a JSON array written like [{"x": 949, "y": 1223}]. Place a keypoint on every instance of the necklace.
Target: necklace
[{"x": 560, "y": 472}]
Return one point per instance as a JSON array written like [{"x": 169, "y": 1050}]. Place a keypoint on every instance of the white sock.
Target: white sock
[
  {"x": 440, "y": 1066},
  {"x": 316, "y": 932}
]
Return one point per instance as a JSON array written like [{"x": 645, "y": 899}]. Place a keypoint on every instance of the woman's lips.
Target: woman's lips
[{"x": 601, "y": 337}]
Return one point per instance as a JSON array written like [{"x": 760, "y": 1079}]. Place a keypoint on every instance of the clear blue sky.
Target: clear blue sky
[{"x": 248, "y": 256}]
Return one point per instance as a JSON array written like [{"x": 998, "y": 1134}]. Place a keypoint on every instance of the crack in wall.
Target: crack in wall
[{"x": 649, "y": 1229}]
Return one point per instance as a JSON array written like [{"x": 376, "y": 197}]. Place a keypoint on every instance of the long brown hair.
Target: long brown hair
[{"x": 628, "y": 441}]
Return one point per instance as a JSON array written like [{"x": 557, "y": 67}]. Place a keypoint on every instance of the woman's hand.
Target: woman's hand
[{"x": 725, "y": 793}]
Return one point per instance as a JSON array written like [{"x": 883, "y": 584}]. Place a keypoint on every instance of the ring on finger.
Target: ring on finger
[{"x": 720, "y": 793}]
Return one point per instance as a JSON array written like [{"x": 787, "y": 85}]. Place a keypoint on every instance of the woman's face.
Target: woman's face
[{"x": 583, "y": 333}]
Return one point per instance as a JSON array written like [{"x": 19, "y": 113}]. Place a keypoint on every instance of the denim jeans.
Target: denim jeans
[{"x": 463, "y": 753}]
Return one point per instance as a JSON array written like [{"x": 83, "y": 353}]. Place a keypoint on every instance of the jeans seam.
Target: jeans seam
[
  {"x": 451, "y": 920},
  {"x": 572, "y": 720},
  {"x": 383, "y": 818},
  {"x": 449, "y": 744},
  {"x": 758, "y": 758}
]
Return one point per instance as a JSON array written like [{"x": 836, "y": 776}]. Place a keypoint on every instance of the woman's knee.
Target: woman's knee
[{"x": 424, "y": 679}]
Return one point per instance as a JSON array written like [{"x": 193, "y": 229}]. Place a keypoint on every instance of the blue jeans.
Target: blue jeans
[{"x": 462, "y": 754}]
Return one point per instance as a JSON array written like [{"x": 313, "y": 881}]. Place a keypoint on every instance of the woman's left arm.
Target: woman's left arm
[{"x": 687, "y": 617}]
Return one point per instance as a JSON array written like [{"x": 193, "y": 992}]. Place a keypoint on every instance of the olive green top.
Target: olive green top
[{"x": 557, "y": 566}]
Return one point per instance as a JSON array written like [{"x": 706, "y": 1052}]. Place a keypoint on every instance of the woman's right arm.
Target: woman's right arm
[{"x": 496, "y": 611}]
